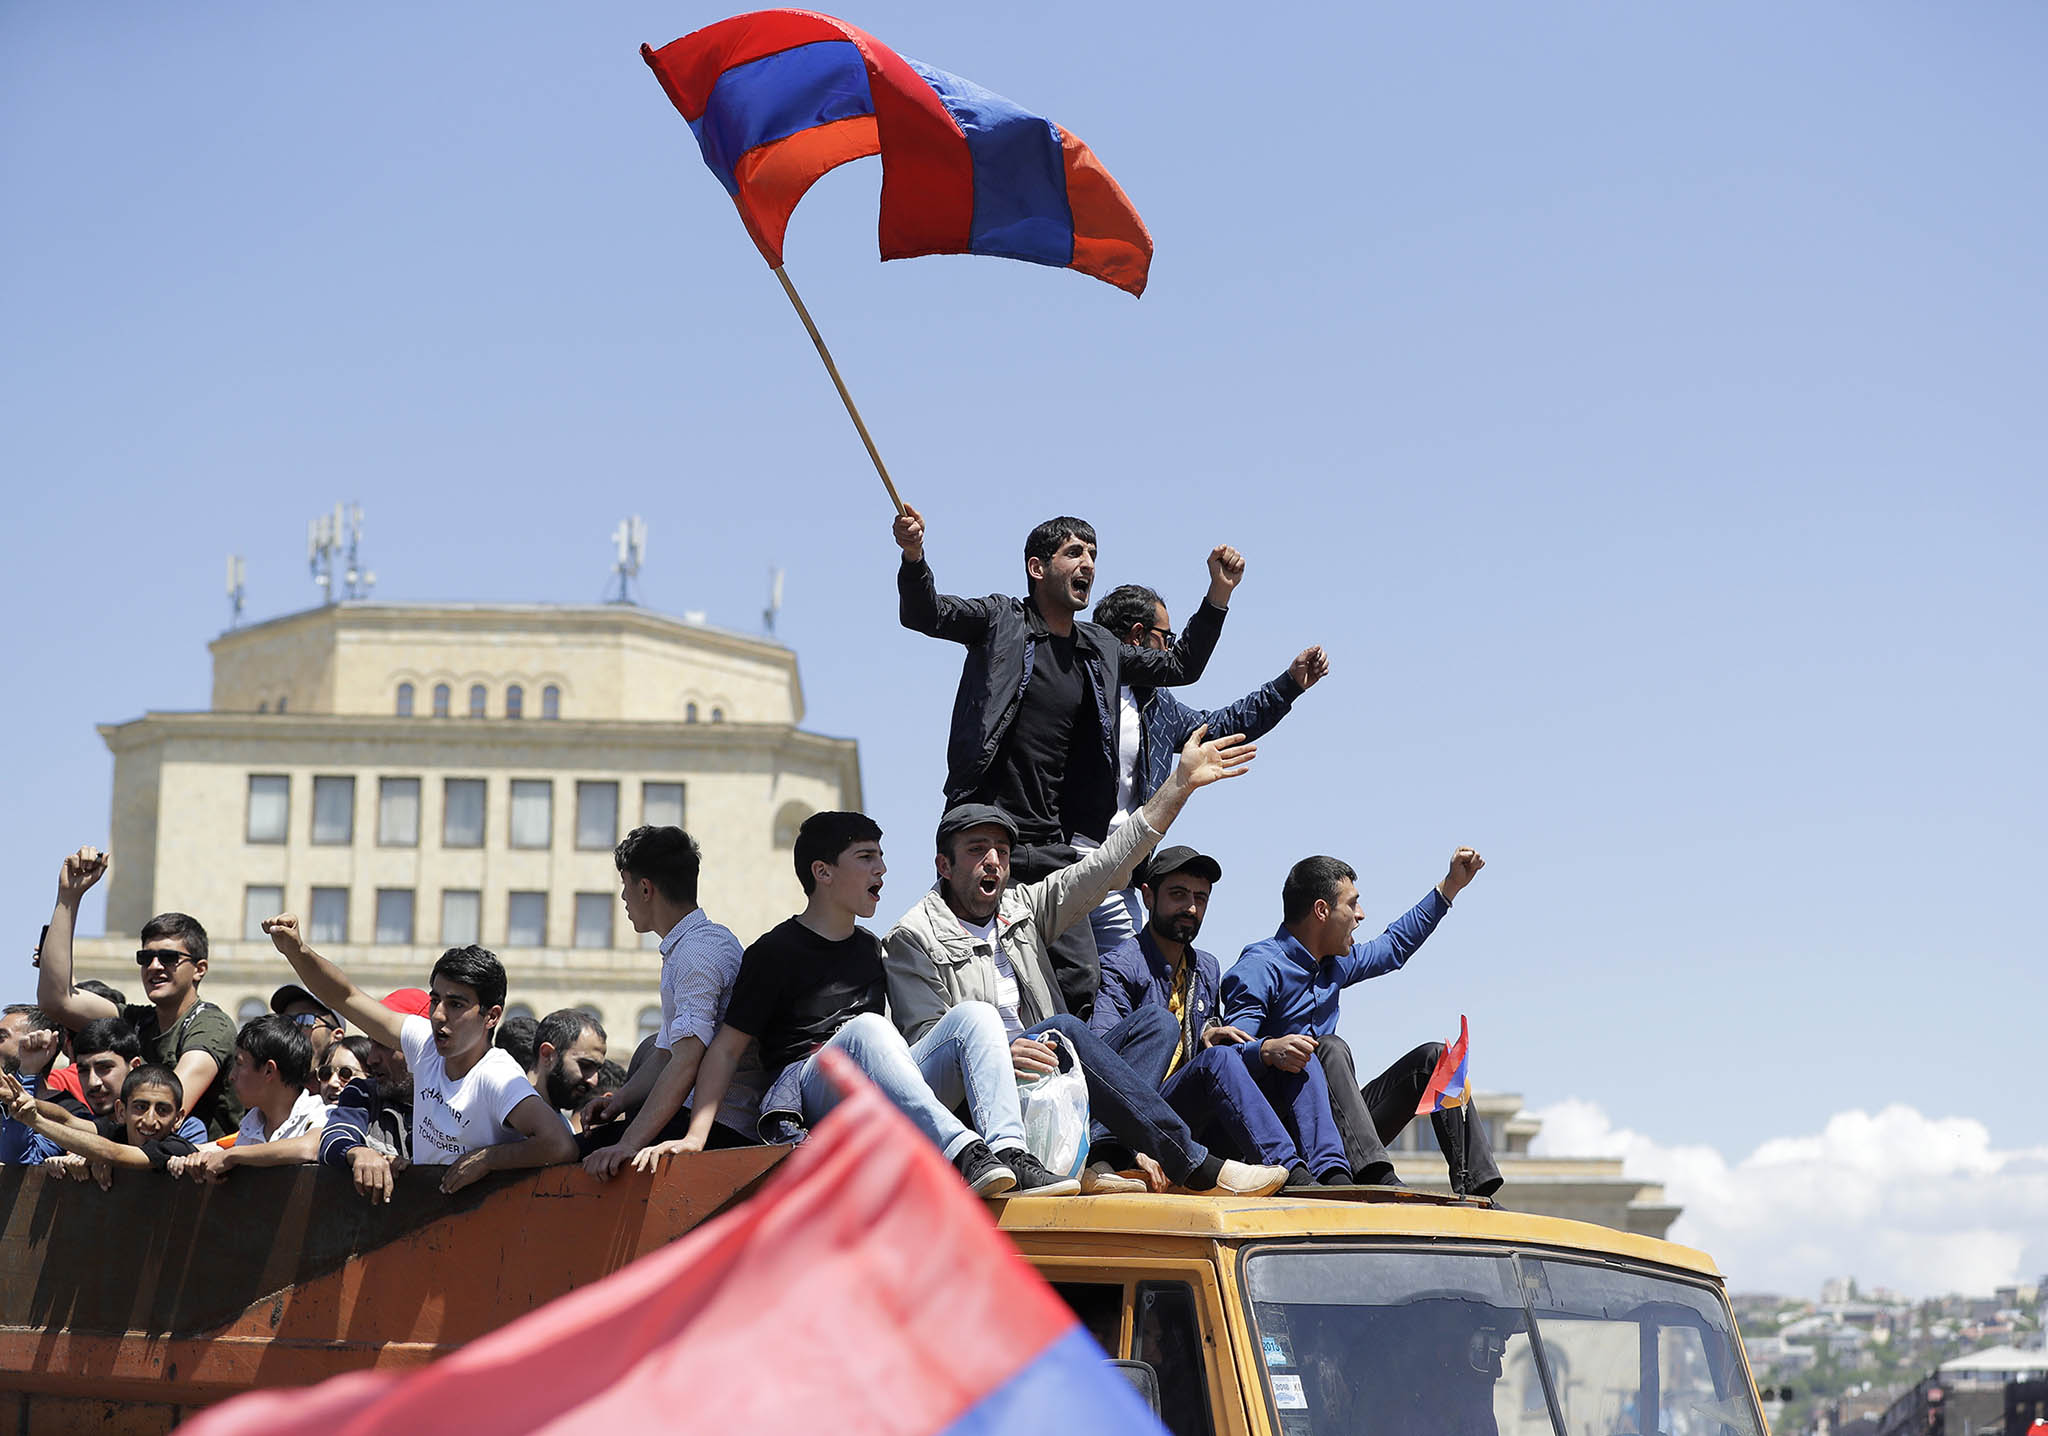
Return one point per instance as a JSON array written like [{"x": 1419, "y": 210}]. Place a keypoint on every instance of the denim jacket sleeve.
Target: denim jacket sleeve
[
  {"x": 923, "y": 609},
  {"x": 1390, "y": 951}
]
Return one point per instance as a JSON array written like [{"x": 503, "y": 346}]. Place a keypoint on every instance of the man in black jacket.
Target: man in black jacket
[{"x": 1035, "y": 721}]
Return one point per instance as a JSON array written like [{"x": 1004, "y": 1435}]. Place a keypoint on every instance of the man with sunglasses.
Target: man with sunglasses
[
  {"x": 314, "y": 1018},
  {"x": 1155, "y": 725},
  {"x": 177, "y": 1028}
]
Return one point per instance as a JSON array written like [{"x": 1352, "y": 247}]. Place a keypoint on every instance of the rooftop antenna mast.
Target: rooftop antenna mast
[
  {"x": 338, "y": 536},
  {"x": 236, "y": 572},
  {"x": 630, "y": 538},
  {"x": 774, "y": 601}
]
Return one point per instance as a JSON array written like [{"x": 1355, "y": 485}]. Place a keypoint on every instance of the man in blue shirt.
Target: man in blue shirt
[{"x": 1284, "y": 991}]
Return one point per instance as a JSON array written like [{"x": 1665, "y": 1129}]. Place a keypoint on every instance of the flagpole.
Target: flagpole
[{"x": 840, "y": 384}]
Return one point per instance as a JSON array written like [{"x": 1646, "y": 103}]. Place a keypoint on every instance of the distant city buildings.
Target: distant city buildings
[{"x": 411, "y": 777}]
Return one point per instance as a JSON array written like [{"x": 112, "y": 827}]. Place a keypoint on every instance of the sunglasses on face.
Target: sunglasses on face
[
  {"x": 163, "y": 955},
  {"x": 1165, "y": 633},
  {"x": 314, "y": 1019}
]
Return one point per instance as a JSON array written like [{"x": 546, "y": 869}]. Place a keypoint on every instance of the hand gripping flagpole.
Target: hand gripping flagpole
[{"x": 840, "y": 384}]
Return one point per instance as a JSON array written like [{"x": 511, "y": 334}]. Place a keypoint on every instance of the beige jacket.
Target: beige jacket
[{"x": 931, "y": 961}]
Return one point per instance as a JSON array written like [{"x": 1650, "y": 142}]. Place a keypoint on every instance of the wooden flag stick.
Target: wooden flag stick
[{"x": 839, "y": 383}]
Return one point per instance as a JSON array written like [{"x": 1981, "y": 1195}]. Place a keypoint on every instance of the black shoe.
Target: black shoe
[
  {"x": 983, "y": 1172},
  {"x": 1380, "y": 1174},
  {"x": 1300, "y": 1176},
  {"x": 1335, "y": 1177},
  {"x": 1033, "y": 1180}
]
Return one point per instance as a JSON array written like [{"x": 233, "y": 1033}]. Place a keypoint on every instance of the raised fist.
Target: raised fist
[
  {"x": 283, "y": 931},
  {"x": 1226, "y": 568},
  {"x": 1310, "y": 667},
  {"x": 1465, "y": 866},
  {"x": 80, "y": 871}
]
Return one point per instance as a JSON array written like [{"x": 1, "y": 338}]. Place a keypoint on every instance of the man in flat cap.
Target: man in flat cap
[{"x": 973, "y": 937}]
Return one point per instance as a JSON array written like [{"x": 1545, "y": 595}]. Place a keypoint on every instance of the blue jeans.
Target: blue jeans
[
  {"x": 1124, "y": 1100},
  {"x": 1115, "y": 918},
  {"x": 1280, "y": 1118},
  {"x": 965, "y": 1057}
]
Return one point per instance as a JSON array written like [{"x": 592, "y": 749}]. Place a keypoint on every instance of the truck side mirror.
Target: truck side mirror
[{"x": 1144, "y": 1380}]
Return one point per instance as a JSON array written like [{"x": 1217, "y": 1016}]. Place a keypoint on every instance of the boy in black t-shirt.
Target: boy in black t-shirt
[
  {"x": 141, "y": 1135},
  {"x": 816, "y": 981}
]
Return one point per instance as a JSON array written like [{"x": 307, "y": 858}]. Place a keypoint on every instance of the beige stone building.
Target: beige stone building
[
  {"x": 1585, "y": 1189},
  {"x": 408, "y": 777}
]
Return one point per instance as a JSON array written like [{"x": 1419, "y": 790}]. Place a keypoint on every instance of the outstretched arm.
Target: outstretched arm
[
  {"x": 85, "y": 1141},
  {"x": 331, "y": 985},
  {"x": 919, "y": 604},
  {"x": 54, "y": 992}
]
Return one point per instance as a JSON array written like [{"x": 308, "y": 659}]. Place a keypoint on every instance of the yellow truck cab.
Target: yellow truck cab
[
  {"x": 1333, "y": 1313},
  {"x": 1394, "y": 1312}
]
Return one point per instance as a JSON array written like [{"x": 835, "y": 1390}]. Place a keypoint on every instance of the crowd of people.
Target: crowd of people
[{"x": 1058, "y": 935}]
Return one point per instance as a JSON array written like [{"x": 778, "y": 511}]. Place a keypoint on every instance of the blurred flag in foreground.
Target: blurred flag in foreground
[
  {"x": 777, "y": 98},
  {"x": 864, "y": 1290},
  {"x": 1451, "y": 1084}
]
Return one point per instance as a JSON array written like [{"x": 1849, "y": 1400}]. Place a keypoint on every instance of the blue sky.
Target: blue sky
[{"x": 1642, "y": 404}]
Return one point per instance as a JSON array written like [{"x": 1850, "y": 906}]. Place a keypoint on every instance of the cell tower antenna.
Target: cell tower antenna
[
  {"x": 774, "y": 601},
  {"x": 236, "y": 573},
  {"x": 630, "y": 539},
  {"x": 338, "y": 536}
]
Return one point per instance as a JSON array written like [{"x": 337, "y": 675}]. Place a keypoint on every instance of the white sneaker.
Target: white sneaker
[
  {"x": 1100, "y": 1179},
  {"x": 1242, "y": 1179}
]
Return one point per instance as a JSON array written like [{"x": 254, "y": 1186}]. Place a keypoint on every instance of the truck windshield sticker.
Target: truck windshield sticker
[{"x": 1287, "y": 1392}]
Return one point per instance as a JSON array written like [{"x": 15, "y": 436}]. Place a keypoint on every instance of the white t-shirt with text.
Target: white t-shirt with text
[{"x": 452, "y": 1117}]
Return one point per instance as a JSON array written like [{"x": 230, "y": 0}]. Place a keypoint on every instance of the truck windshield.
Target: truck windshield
[{"x": 1384, "y": 1342}]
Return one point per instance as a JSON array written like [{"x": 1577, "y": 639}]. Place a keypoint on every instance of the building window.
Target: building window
[
  {"x": 718, "y": 715},
  {"x": 250, "y": 1008},
  {"x": 259, "y": 903},
  {"x": 280, "y": 705},
  {"x": 551, "y": 702},
  {"x": 515, "y": 701},
  {"x": 650, "y": 1025},
  {"x": 394, "y": 916},
  {"x": 533, "y": 812},
  {"x": 398, "y": 812},
  {"x": 405, "y": 700},
  {"x": 462, "y": 813},
  {"x": 518, "y": 1009},
  {"x": 661, "y": 805},
  {"x": 597, "y": 815},
  {"x": 329, "y": 915},
  {"x": 441, "y": 700},
  {"x": 270, "y": 807},
  {"x": 334, "y": 810},
  {"x": 476, "y": 700},
  {"x": 526, "y": 920},
  {"x": 689, "y": 712},
  {"x": 462, "y": 914},
  {"x": 594, "y": 920},
  {"x": 788, "y": 819},
  {"x": 263, "y": 706}
]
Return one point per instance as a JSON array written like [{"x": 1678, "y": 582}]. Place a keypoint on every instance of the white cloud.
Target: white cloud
[{"x": 1923, "y": 1205}]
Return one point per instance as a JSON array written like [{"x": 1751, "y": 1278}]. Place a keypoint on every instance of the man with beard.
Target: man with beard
[
  {"x": 1214, "y": 1076},
  {"x": 473, "y": 1111},
  {"x": 975, "y": 938},
  {"x": 1034, "y": 730},
  {"x": 369, "y": 1127},
  {"x": 568, "y": 1054}
]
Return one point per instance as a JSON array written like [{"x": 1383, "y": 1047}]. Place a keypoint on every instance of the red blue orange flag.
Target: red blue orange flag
[
  {"x": 777, "y": 98},
  {"x": 863, "y": 1291},
  {"x": 1450, "y": 1085}
]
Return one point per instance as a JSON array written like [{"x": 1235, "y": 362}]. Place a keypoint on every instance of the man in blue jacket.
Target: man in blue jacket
[
  {"x": 1153, "y": 726},
  {"x": 1285, "y": 990},
  {"x": 1034, "y": 730}
]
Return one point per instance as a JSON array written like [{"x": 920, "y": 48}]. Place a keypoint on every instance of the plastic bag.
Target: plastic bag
[{"x": 1056, "y": 1113}]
